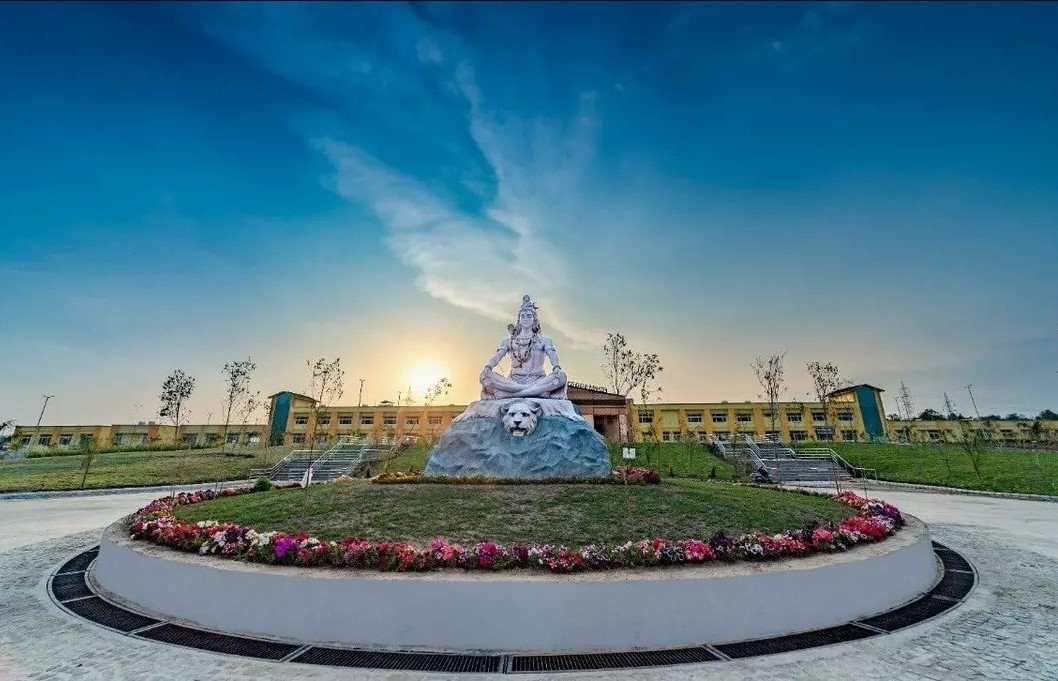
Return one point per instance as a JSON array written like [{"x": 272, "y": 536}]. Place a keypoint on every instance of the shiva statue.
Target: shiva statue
[{"x": 527, "y": 348}]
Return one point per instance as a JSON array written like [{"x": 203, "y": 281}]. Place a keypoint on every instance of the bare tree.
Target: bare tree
[
  {"x": 435, "y": 392},
  {"x": 325, "y": 388},
  {"x": 237, "y": 389},
  {"x": 826, "y": 378},
  {"x": 176, "y": 391},
  {"x": 627, "y": 370},
  {"x": 770, "y": 375},
  {"x": 973, "y": 441}
]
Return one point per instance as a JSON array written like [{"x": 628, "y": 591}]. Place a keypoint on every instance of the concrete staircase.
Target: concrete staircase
[{"x": 775, "y": 462}]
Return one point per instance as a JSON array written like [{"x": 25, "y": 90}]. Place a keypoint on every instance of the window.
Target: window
[
  {"x": 826, "y": 434},
  {"x": 189, "y": 438},
  {"x": 119, "y": 439},
  {"x": 301, "y": 420},
  {"x": 85, "y": 438},
  {"x": 389, "y": 419},
  {"x": 702, "y": 437},
  {"x": 933, "y": 435},
  {"x": 233, "y": 438},
  {"x": 846, "y": 416},
  {"x": 212, "y": 438},
  {"x": 719, "y": 416},
  {"x": 744, "y": 417},
  {"x": 26, "y": 439},
  {"x": 773, "y": 436},
  {"x": 298, "y": 439},
  {"x": 367, "y": 419},
  {"x": 646, "y": 417},
  {"x": 411, "y": 420},
  {"x": 793, "y": 417},
  {"x": 254, "y": 438},
  {"x": 44, "y": 440},
  {"x": 798, "y": 435},
  {"x": 849, "y": 435},
  {"x": 435, "y": 420},
  {"x": 143, "y": 438},
  {"x": 722, "y": 435},
  {"x": 345, "y": 419},
  {"x": 819, "y": 416},
  {"x": 670, "y": 436},
  {"x": 694, "y": 417},
  {"x": 321, "y": 439},
  {"x": 65, "y": 438},
  {"x": 324, "y": 420}
]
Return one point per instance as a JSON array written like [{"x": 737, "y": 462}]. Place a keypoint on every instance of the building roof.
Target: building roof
[
  {"x": 853, "y": 387},
  {"x": 291, "y": 392}
]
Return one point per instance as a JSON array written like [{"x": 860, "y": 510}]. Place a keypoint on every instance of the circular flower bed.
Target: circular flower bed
[{"x": 875, "y": 521}]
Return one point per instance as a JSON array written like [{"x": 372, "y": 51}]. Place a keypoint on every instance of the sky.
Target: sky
[{"x": 184, "y": 185}]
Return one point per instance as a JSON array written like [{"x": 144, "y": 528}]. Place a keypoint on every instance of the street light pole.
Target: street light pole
[
  {"x": 36, "y": 430},
  {"x": 360, "y": 397}
]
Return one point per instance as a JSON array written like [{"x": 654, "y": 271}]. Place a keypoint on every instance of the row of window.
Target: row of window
[
  {"x": 120, "y": 439},
  {"x": 724, "y": 436},
  {"x": 366, "y": 420},
  {"x": 720, "y": 417}
]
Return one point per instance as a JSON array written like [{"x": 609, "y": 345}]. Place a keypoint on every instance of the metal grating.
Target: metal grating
[
  {"x": 954, "y": 585},
  {"x": 782, "y": 644},
  {"x": 587, "y": 661},
  {"x": 420, "y": 662},
  {"x": 79, "y": 563},
  {"x": 912, "y": 613},
  {"x": 109, "y": 615},
  {"x": 219, "y": 643},
  {"x": 953, "y": 561},
  {"x": 69, "y": 586}
]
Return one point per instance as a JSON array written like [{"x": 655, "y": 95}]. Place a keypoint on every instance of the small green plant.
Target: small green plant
[{"x": 263, "y": 485}]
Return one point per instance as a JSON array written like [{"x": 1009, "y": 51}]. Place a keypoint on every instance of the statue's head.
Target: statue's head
[{"x": 527, "y": 318}]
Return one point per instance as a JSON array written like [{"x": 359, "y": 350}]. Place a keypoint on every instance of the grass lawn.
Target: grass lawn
[
  {"x": 133, "y": 469},
  {"x": 1030, "y": 472},
  {"x": 670, "y": 459},
  {"x": 573, "y": 515}
]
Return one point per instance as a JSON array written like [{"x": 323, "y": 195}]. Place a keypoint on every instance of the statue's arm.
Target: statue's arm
[
  {"x": 552, "y": 354},
  {"x": 501, "y": 351}
]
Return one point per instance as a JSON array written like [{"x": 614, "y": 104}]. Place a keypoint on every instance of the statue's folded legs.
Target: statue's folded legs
[{"x": 495, "y": 386}]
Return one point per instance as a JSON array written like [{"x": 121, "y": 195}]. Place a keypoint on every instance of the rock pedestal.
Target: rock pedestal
[{"x": 562, "y": 445}]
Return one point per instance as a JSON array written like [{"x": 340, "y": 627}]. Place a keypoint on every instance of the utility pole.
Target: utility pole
[
  {"x": 360, "y": 397},
  {"x": 36, "y": 431},
  {"x": 972, "y": 401}
]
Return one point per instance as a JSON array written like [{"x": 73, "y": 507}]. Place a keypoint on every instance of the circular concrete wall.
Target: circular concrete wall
[{"x": 519, "y": 611}]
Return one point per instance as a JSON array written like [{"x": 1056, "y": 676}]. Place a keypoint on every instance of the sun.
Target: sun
[{"x": 423, "y": 376}]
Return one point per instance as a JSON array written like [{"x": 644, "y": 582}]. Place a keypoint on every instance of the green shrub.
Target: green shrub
[{"x": 263, "y": 485}]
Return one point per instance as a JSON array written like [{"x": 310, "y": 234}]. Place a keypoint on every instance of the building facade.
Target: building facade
[{"x": 851, "y": 414}]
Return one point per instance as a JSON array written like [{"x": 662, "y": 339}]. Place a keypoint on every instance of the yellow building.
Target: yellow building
[{"x": 854, "y": 413}]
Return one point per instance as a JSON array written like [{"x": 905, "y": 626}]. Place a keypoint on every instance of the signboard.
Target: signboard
[{"x": 628, "y": 452}]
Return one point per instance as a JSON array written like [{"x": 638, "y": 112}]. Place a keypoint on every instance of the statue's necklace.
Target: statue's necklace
[{"x": 521, "y": 349}]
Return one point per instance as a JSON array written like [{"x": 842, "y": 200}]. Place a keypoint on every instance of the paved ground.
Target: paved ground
[{"x": 1008, "y": 629}]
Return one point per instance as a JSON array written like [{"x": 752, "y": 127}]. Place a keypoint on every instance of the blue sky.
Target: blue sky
[{"x": 185, "y": 184}]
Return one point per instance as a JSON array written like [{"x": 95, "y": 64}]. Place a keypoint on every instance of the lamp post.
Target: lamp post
[
  {"x": 36, "y": 430},
  {"x": 972, "y": 401}
]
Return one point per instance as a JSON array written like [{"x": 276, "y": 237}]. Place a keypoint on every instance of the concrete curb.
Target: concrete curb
[
  {"x": 912, "y": 487},
  {"x": 109, "y": 491}
]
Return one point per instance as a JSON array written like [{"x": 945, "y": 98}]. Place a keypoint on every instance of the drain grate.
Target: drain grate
[
  {"x": 69, "y": 586},
  {"x": 782, "y": 644},
  {"x": 586, "y": 661},
  {"x": 954, "y": 585},
  {"x": 79, "y": 563},
  {"x": 953, "y": 561},
  {"x": 108, "y": 614},
  {"x": 420, "y": 662},
  {"x": 219, "y": 643},
  {"x": 912, "y": 613}
]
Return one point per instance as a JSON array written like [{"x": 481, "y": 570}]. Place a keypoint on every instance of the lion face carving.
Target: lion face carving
[{"x": 519, "y": 417}]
